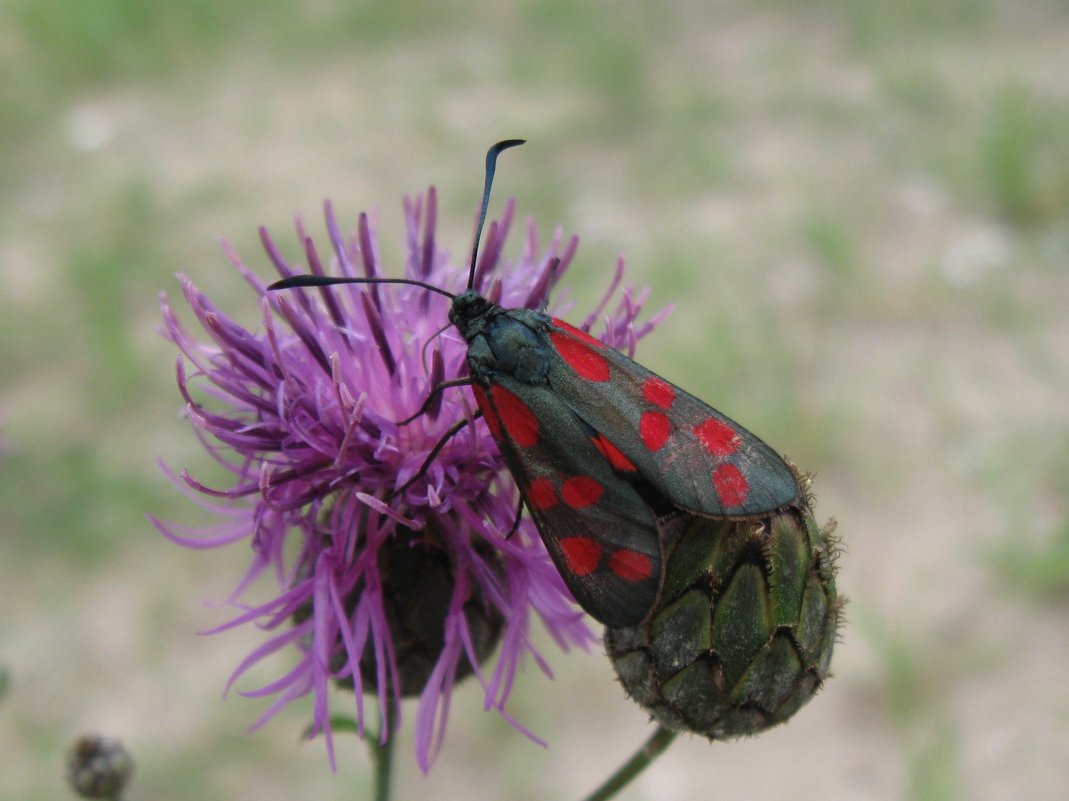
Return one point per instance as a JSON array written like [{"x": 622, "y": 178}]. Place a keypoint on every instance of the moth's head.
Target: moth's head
[{"x": 467, "y": 310}]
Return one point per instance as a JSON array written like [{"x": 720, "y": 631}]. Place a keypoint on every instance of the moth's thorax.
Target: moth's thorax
[{"x": 502, "y": 341}]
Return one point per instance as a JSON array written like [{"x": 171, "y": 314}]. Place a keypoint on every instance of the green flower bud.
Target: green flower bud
[
  {"x": 743, "y": 632},
  {"x": 98, "y": 767}
]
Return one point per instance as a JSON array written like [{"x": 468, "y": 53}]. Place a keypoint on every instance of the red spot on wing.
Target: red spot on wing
[
  {"x": 580, "y": 356},
  {"x": 731, "y": 485},
  {"x": 612, "y": 455},
  {"x": 581, "y": 554},
  {"x": 580, "y": 492},
  {"x": 654, "y": 429},
  {"x": 579, "y": 333},
  {"x": 631, "y": 566},
  {"x": 717, "y": 437},
  {"x": 541, "y": 494},
  {"x": 658, "y": 392},
  {"x": 492, "y": 421},
  {"x": 519, "y": 421}
]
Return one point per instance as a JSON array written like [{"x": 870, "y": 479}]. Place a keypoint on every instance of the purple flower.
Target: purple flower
[{"x": 390, "y": 595}]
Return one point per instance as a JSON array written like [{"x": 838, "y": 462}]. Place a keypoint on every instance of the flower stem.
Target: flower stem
[
  {"x": 651, "y": 749},
  {"x": 382, "y": 756}
]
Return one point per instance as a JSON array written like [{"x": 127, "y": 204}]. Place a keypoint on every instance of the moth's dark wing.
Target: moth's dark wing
[
  {"x": 599, "y": 531},
  {"x": 696, "y": 457}
]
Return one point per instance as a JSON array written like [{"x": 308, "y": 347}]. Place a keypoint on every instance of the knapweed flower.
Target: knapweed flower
[{"x": 386, "y": 585}]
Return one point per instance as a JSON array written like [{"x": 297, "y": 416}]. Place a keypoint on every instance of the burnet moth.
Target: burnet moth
[{"x": 605, "y": 453}]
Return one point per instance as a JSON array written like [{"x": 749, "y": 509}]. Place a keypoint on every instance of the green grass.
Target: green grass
[
  {"x": 1023, "y": 154},
  {"x": 929, "y": 741},
  {"x": 119, "y": 40}
]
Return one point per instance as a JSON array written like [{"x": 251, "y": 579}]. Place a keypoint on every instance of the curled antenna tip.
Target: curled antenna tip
[
  {"x": 504, "y": 144},
  {"x": 491, "y": 166}
]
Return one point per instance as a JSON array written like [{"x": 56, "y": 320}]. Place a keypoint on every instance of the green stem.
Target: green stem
[
  {"x": 382, "y": 756},
  {"x": 653, "y": 748}
]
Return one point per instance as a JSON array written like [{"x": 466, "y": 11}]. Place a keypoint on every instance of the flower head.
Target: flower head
[
  {"x": 386, "y": 585},
  {"x": 98, "y": 767}
]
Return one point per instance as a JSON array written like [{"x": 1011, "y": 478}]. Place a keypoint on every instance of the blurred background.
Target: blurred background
[{"x": 861, "y": 211}]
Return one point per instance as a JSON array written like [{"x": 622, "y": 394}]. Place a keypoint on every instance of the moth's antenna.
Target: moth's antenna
[
  {"x": 294, "y": 281},
  {"x": 491, "y": 165}
]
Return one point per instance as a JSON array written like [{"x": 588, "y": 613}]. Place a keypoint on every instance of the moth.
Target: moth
[{"x": 605, "y": 452}]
